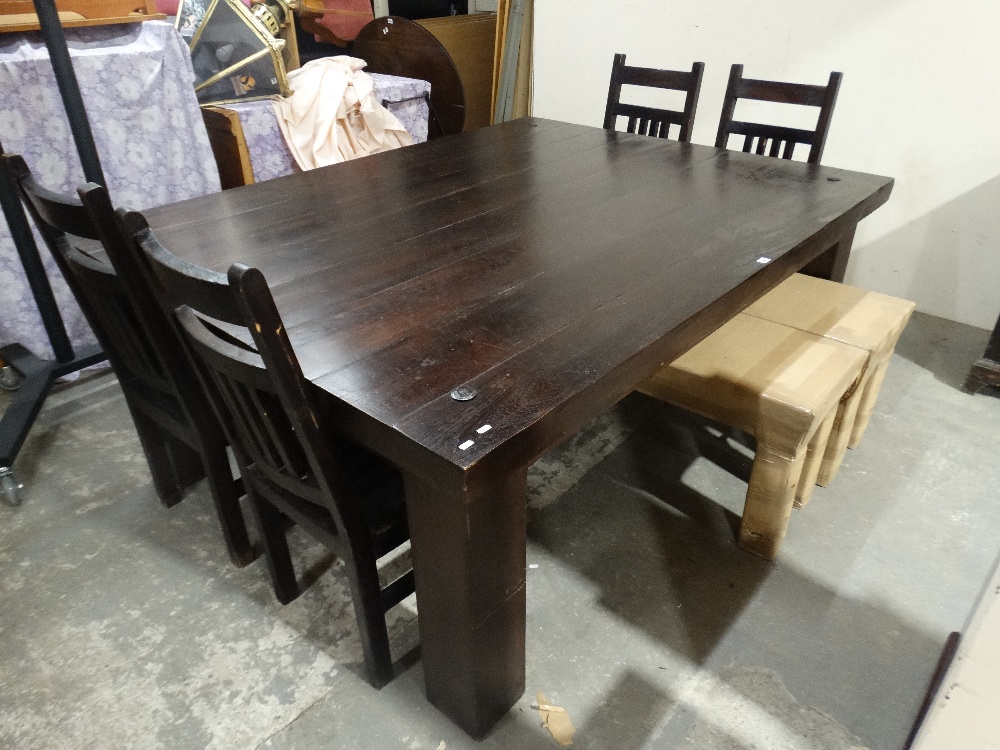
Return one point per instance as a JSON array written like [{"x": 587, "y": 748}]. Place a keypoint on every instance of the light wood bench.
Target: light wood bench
[
  {"x": 781, "y": 385},
  {"x": 868, "y": 320}
]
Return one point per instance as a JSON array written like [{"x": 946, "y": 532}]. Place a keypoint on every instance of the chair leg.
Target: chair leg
[
  {"x": 366, "y": 592},
  {"x": 867, "y": 405},
  {"x": 227, "y": 505},
  {"x": 162, "y": 469},
  {"x": 770, "y": 497},
  {"x": 279, "y": 561},
  {"x": 814, "y": 459}
]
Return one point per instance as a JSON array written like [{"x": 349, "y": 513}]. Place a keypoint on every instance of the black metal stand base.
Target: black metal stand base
[{"x": 39, "y": 375}]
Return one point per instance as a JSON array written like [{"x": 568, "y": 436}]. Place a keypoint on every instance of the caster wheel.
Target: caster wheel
[
  {"x": 10, "y": 379},
  {"x": 10, "y": 489}
]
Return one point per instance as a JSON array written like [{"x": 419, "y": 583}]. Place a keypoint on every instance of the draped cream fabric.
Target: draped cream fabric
[{"x": 332, "y": 114}]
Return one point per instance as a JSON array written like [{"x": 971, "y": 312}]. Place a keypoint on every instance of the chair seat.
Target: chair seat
[
  {"x": 778, "y": 383},
  {"x": 868, "y": 320}
]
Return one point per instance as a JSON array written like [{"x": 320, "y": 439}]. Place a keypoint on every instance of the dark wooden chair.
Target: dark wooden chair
[
  {"x": 648, "y": 120},
  {"x": 294, "y": 465},
  {"x": 777, "y": 140},
  {"x": 181, "y": 440}
]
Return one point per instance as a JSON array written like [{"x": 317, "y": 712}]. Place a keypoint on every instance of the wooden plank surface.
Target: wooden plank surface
[
  {"x": 475, "y": 263},
  {"x": 69, "y": 20}
]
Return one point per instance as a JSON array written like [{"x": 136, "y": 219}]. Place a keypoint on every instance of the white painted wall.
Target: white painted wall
[{"x": 919, "y": 102}]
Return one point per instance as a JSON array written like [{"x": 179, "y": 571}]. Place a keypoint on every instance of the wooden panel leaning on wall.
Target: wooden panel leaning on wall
[{"x": 518, "y": 66}]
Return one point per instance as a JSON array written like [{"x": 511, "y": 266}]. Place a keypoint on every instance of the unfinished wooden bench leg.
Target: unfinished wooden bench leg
[
  {"x": 814, "y": 459},
  {"x": 867, "y": 404},
  {"x": 836, "y": 445},
  {"x": 770, "y": 496}
]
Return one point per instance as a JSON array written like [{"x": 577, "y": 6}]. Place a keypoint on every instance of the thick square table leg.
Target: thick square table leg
[
  {"x": 469, "y": 559},
  {"x": 832, "y": 263}
]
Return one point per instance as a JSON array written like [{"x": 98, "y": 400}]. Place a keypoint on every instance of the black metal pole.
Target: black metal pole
[
  {"x": 39, "y": 375},
  {"x": 69, "y": 89}
]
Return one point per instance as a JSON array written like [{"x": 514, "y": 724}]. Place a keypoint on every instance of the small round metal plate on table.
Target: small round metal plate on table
[{"x": 463, "y": 393}]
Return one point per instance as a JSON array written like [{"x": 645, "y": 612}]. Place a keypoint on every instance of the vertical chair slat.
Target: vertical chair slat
[
  {"x": 656, "y": 123},
  {"x": 794, "y": 94}
]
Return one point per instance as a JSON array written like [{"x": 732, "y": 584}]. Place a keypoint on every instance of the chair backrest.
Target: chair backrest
[
  {"x": 55, "y": 215},
  {"x": 648, "y": 120},
  {"x": 251, "y": 376},
  {"x": 129, "y": 297},
  {"x": 98, "y": 290},
  {"x": 776, "y": 140}
]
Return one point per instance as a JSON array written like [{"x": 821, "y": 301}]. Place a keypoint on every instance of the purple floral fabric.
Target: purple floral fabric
[
  {"x": 138, "y": 88},
  {"x": 269, "y": 154},
  {"x": 413, "y": 113}
]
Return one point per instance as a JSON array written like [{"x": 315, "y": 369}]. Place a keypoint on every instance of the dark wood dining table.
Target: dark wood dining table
[{"x": 463, "y": 305}]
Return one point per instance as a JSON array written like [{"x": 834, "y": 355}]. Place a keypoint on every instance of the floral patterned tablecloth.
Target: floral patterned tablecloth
[
  {"x": 269, "y": 154},
  {"x": 137, "y": 86}
]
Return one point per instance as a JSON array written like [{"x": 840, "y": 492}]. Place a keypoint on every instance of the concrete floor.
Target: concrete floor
[{"x": 122, "y": 624}]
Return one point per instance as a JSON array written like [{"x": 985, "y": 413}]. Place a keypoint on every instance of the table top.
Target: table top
[{"x": 534, "y": 262}]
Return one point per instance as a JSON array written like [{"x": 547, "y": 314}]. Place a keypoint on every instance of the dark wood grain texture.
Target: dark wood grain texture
[
  {"x": 551, "y": 268},
  {"x": 653, "y": 121}
]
